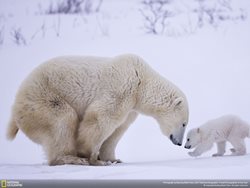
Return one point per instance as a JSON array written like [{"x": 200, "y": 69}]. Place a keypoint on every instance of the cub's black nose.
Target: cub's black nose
[
  {"x": 187, "y": 147},
  {"x": 179, "y": 144}
]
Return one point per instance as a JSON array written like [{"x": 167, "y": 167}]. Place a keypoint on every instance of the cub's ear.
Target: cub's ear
[
  {"x": 198, "y": 130},
  {"x": 177, "y": 102}
]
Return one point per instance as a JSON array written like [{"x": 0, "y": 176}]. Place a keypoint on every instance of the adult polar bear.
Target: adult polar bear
[{"x": 78, "y": 108}]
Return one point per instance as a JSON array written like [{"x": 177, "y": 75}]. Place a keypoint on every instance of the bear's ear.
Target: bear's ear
[
  {"x": 198, "y": 130},
  {"x": 177, "y": 102}
]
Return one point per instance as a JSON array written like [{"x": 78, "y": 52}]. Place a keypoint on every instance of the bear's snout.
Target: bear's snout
[{"x": 175, "y": 141}]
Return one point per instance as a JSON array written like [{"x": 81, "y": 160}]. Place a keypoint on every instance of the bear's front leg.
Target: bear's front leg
[
  {"x": 93, "y": 159},
  {"x": 107, "y": 151},
  {"x": 95, "y": 128}
]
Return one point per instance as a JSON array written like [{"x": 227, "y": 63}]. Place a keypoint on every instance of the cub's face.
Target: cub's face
[{"x": 193, "y": 138}]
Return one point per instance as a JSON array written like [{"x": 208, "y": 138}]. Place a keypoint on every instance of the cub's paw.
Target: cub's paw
[
  {"x": 233, "y": 150},
  {"x": 217, "y": 155},
  {"x": 193, "y": 154}
]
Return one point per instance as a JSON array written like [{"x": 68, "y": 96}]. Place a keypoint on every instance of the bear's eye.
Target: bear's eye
[
  {"x": 183, "y": 125},
  {"x": 188, "y": 139}
]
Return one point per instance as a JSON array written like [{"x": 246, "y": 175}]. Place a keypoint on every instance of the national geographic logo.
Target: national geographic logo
[
  {"x": 10, "y": 183},
  {"x": 3, "y": 183}
]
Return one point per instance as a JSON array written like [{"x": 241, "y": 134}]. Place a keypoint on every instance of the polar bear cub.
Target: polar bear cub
[{"x": 226, "y": 128}]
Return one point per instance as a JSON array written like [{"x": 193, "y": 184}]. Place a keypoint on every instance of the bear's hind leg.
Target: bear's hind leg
[
  {"x": 49, "y": 120},
  {"x": 61, "y": 146},
  {"x": 221, "y": 149}
]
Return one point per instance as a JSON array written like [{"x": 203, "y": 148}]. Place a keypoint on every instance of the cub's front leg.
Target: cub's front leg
[
  {"x": 201, "y": 148},
  {"x": 221, "y": 149}
]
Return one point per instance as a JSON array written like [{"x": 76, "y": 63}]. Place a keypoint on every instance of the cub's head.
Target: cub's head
[
  {"x": 173, "y": 120},
  {"x": 193, "y": 138}
]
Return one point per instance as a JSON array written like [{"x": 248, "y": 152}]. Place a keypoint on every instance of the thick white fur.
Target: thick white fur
[
  {"x": 226, "y": 128},
  {"x": 78, "y": 108}
]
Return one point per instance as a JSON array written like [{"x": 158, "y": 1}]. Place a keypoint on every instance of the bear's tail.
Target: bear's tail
[{"x": 12, "y": 130}]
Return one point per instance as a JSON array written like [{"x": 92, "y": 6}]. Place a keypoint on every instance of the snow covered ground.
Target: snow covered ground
[
  {"x": 210, "y": 64},
  {"x": 186, "y": 168}
]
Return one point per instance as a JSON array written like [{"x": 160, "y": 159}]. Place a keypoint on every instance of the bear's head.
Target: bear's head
[
  {"x": 161, "y": 99},
  {"x": 193, "y": 138},
  {"x": 173, "y": 120}
]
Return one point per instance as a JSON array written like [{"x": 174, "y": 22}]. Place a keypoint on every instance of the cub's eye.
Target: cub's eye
[
  {"x": 183, "y": 125},
  {"x": 188, "y": 139}
]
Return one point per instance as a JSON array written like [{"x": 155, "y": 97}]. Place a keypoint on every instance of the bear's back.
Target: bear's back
[{"x": 78, "y": 79}]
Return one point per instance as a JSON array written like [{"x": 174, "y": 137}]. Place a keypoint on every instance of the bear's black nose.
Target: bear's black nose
[
  {"x": 187, "y": 147},
  {"x": 171, "y": 137},
  {"x": 176, "y": 142}
]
